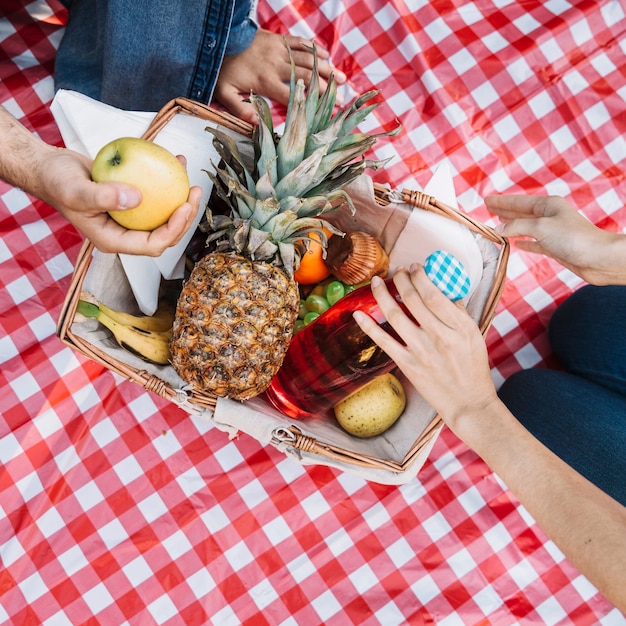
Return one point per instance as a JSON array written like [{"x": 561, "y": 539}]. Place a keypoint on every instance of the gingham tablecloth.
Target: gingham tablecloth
[{"x": 118, "y": 508}]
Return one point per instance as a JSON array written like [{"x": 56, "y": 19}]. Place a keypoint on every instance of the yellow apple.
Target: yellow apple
[
  {"x": 155, "y": 171},
  {"x": 373, "y": 408}
]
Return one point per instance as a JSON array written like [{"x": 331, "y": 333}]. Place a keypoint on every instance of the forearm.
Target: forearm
[
  {"x": 587, "y": 525},
  {"x": 22, "y": 155}
]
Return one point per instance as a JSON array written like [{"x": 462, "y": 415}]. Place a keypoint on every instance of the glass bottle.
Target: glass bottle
[{"x": 331, "y": 357}]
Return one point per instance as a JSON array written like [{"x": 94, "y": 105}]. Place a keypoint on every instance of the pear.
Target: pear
[{"x": 373, "y": 408}]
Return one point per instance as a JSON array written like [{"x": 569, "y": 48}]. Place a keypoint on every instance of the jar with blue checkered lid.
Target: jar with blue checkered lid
[{"x": 332, "y": 357}]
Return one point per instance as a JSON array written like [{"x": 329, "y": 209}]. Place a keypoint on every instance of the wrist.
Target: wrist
[
  {"x": 615, "y": 259},
  {"x": 23, "y": 156},
  {"x": 607, "y": 259},
  {"x": 481, "y": 426},
  {"x": 41, "y": 168}
]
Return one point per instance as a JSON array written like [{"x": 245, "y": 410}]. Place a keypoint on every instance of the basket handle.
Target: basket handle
[{"x": 196, "y": 109}]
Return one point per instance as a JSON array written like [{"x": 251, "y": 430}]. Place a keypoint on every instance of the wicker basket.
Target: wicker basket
[{"x": 287, "y": 435}]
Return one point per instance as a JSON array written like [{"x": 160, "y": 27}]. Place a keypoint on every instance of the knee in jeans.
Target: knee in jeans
[
  {"x": 521, "y": 386},
  {"x": 573, "y": 316},
  {"x": 584, "y": 325}
]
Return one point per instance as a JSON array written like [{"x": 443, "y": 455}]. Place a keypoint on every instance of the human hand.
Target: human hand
[
  {"x": 557, "y": 230},
  {"x": 445, "y": 356},
  {"x": 244, "y": 72},
  {"x": 66, "y": 185}
]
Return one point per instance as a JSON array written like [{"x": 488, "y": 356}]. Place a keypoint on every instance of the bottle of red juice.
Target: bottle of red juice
[{"x": 332, "y": 357}]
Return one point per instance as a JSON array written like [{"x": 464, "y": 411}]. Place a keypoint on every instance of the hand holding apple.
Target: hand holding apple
[{"x": 156, "y": 172}]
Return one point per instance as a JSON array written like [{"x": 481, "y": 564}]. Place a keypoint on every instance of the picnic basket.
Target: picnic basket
[{"x": 391, "y": 459}]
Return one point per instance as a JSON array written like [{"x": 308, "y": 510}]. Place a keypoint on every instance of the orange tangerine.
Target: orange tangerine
[{"x": 312, "y": 268}]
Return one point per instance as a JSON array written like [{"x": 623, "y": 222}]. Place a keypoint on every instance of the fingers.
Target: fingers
[
  {"x": 233, "y": 101},
  {"x": 424, "y": 305},
  {"x": 242, "y": 73},
  {"x": 179, "y": 223},
  {"x": 300, "y": 43},
  {"x": 522, "y": 228},
  {"x": 90, "y": 198},
  {"x": 110, "y": 237},
  {"x": 303, "y": 60},
  {"x": 112, "y": 197},
  {"x": 304, "y": 66},
  {"x": 512, "y": 206},
  {"x": 302, "y": 54},
  {"x": 71, "y": 190},
  {"x": 406, "y": 329},
  {"x": 424, "y": 299},
  {"x": 392, "y": 348},
  {"x": 528, "y": 245},
  {"x": 170, "y": 233},
  {"x": 526, "y": 216}
]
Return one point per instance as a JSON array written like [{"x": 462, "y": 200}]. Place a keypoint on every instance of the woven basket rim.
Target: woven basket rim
[{"x": 201, "y": 401}]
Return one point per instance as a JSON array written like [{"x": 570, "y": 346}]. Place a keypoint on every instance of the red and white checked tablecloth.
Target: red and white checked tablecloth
[{"x": 118, "y": 508}]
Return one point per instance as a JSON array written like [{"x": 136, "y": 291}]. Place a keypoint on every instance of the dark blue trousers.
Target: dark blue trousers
[{"x": 580, "y": 412}]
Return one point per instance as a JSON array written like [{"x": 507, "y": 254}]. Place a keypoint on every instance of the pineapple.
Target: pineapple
[{"x": 236, "y": 312}]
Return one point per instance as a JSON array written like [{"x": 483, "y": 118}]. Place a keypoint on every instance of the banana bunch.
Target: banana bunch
[{"x": 147, "y": 337}]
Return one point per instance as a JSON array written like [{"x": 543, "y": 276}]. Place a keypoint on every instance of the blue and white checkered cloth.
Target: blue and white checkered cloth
[{"x": 448, "y": 273}]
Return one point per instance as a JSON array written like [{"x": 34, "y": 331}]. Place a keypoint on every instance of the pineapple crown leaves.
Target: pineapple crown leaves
[
  {"x": 289, "y": 235},
  {"x": 290, "y": 150},
  {"x": 294, "y": 178}
]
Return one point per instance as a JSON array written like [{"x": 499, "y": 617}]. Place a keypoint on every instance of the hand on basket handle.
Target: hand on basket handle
[
  {"x": 551, "y": 226},
  {"x": 265, "y": 69}
]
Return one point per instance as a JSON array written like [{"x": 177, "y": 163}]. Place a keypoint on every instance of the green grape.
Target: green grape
[
  {"x": 299, "y": 325},
  {"x": 335, "y": 291},
  {"x": 310, "y": 317},
  {"x": 350, "y": 288},
  {"x": 302, "y": 310},
  {"x": 316, "y": 304}
]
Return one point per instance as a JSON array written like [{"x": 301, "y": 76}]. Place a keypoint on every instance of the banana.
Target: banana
[
  {"x": 161, "y": 321},
  {"x": 146, "y": 344},
  {"x": 149, "y": 345}
]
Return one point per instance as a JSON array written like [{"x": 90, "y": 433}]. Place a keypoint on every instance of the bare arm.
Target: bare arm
[
  {"x": 62, "y": 178},
  {"x": 587, "y": 525},
  {"x": 242, "y": 73},
  {"x": 553, "y": 227}
]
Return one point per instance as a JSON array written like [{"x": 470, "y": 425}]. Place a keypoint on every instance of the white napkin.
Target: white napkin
[
  {"x": 86, "y": 125},
  {"x": 427, "y": 232}
]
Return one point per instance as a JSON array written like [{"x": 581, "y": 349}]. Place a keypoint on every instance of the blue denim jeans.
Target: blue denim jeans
[
  {"x": 580, "y": 412},
  {"x": 139, "y": 54}
]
